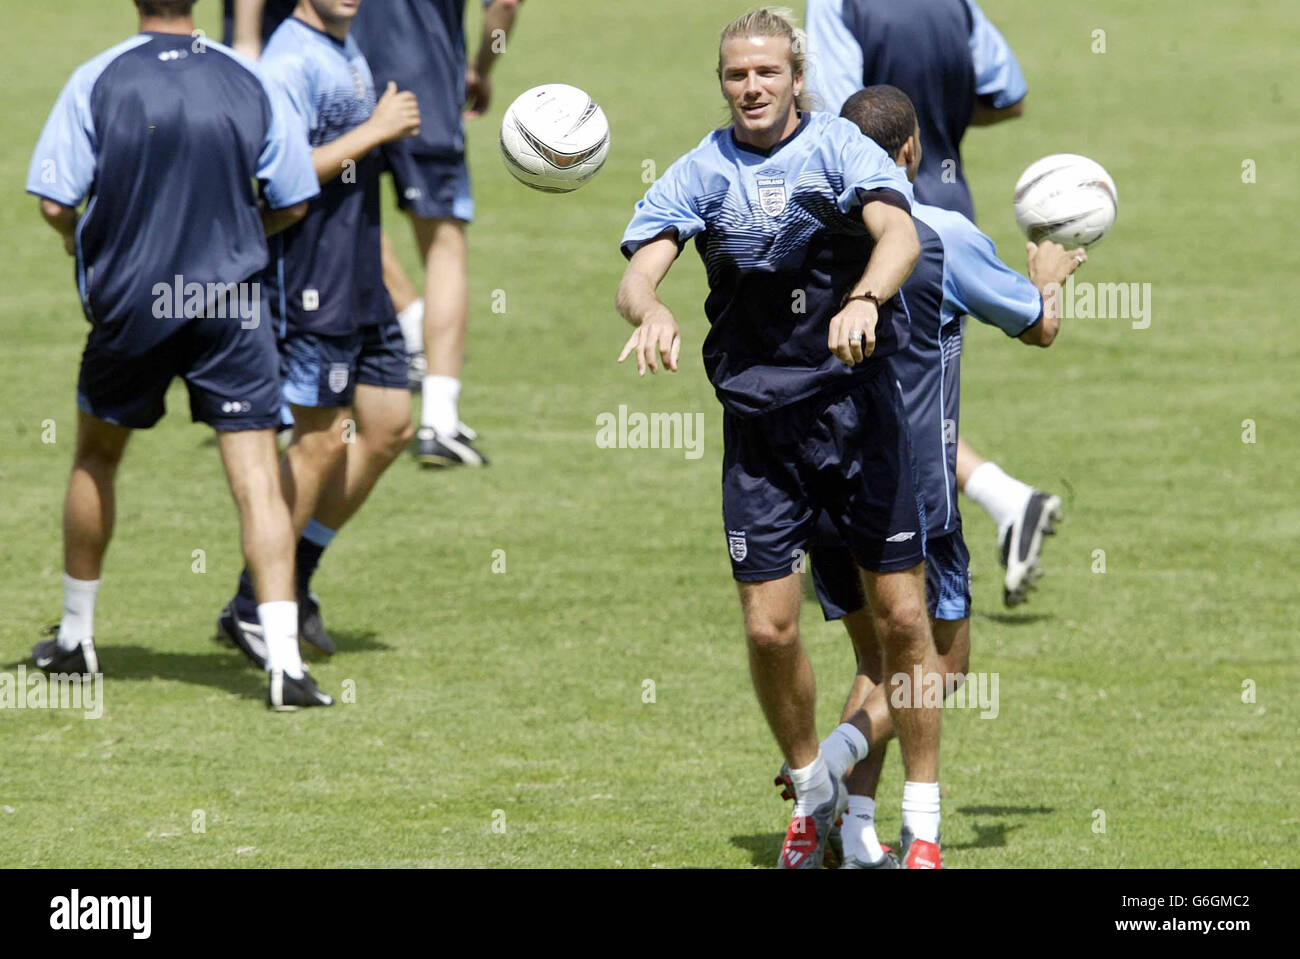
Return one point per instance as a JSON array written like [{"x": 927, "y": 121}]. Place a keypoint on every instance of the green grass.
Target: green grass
[{"x": 521, "y": 691}]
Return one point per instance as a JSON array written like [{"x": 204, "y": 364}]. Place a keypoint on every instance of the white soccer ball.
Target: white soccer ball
[
  {"x": 554, "y": 138},
  {"x": 1066, "y": 198}
]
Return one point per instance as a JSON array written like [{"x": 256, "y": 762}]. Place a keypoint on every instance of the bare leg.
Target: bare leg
[
  {"x": 782, "y": 675},
  {"x": 897, "y": 602},
  {"x": 88, "y": 508},
  {"x": 968, "y": 461},
  {"x": 399, "y": 285},
  {"x": 446, "y": 293},
  {"x": 316, "y": 453},
  {"x": 265, "y": 531},
  {"x": 383, "y": 430}
]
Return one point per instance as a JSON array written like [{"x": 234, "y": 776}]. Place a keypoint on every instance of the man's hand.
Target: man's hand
[
  {"x": 852, "y": 335},
  {"x": 1050, "y": 262},
  {"x": 657, "y": 337},
  {"x": 478, "y": 93},
  {"x": 396, "y": 116}
]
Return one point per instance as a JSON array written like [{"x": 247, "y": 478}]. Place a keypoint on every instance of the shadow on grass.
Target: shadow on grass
[
  {"x": 220, "y": 666},
  {"x": 763, "y": 848},
  {"x": 1015, "y": 619}
]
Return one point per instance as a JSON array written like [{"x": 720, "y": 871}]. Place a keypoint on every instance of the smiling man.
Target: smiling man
[{"x": 804, "y": 230}]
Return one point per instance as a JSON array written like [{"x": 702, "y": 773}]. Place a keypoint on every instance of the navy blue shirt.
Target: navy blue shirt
[
  {"x": 420, "y": 45},
  {"x": 781, "y": 235},
  {"x": 168, "y": 136},
  {"x": 944, "y": 54},
  {"x": 327, "y": 271}
]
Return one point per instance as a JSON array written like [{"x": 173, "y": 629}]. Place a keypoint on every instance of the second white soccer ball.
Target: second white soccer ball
[
  {"x": 554, "y": 138},
  {"x": 1066, "y": 198}
]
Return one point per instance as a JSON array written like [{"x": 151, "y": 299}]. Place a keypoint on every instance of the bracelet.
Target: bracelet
[{"x": 860, "y": 296}]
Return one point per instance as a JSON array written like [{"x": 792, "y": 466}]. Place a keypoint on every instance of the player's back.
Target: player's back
[
  {"x": 923, "y": 48},
  {"x": 420, "y": 46},
  {"x": 177, "y": 130}
]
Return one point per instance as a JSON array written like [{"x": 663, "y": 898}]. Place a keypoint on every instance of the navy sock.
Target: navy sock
[
  {"x": 310, "y": 549},
  {"x": 246, "y": 599}
]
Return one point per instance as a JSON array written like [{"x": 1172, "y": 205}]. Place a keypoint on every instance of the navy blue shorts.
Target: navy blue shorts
[
  {"x": 323, "y": 371},
  {"x": 231, "y": 372},
  {"x": 430, "y": 187},
  {"x": 839, "y": 587},
  {"x": 848, "y": 455}
]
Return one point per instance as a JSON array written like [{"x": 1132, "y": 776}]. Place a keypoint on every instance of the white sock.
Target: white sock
[
  {"x": 411, "y": 320},
  {"x": 842, "y": 748},
  {"x": 280, "y": 630},
  {"x": 812, "y": 786},
  {"x": 859, "y": 830},
  {"x": 78, "y": 612},
  {"x": 1003, "y": 497},
  {"x": 440, "y": 394},
  {"x": 921, "y": 810}
]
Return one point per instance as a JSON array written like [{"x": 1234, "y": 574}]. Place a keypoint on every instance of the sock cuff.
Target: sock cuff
[
  {"x": 414, "y": 308},
  {"x": 80, "y": 585},
  {"x": 318, "y": 533},
  {"x": 857, "y": 742},
  {"x": 862, "y": 806},
  {"x": 922, "y": 797}
]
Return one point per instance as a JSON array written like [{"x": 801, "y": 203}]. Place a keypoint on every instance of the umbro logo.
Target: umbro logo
[{"x": 900, "y": 537}]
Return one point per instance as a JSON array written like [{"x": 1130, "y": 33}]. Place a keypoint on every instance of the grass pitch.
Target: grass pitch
[{"x": 499, "y": 716}]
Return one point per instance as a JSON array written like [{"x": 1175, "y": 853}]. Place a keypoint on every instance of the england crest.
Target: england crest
[
  {"x": 771, "y": 195},
  {"x": 338, "y": 378},
  {"x": 737, "y": 545}
]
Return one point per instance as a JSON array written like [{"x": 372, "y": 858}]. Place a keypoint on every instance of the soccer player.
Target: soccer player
[
  {"x": 342, "y": 356},
  {"x": 958, "y": 273},
  {"x": 420, "y": 45},
  {"x": 166, "y": 135},
  {"x": 787, "y": 207},
  {"x": 954, "y": 64}
]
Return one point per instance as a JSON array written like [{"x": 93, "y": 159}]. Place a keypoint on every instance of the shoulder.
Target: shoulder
[
  {"x": 88, "y": 74},
  {"x": 953, "y": 228}
]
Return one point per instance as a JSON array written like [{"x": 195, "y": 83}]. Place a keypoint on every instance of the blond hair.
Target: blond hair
[{"x": 773, "y": 22}]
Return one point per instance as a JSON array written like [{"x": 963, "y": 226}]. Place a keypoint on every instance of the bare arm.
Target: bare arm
[
  {"x": 498, "y": 21},
  {"x": 895, "y": 254},
  {"x": 247, "y": 38},
  {"x": 396, "y": 115},
  {"x": 64, "y": 221},
  {"x": 273, "y": 221},
  {"x": 1049, "y": 266},
  {"x": 656, "y": 334},
  {"x": 986, "y": 116}
]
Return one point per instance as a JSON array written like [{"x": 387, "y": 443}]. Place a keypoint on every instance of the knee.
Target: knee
[
  {"x": 903, "y": 619},
  {"x": 772, "y": 635},
  {"x": 389, "y": 439}
]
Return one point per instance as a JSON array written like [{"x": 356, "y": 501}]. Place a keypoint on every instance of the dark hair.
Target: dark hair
[
  {"x": 883, "y": 113},
  {"x": 167, "y": 9}
]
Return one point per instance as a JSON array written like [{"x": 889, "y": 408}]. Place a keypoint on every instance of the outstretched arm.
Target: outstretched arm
[{"x": 656, "y": 335}]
